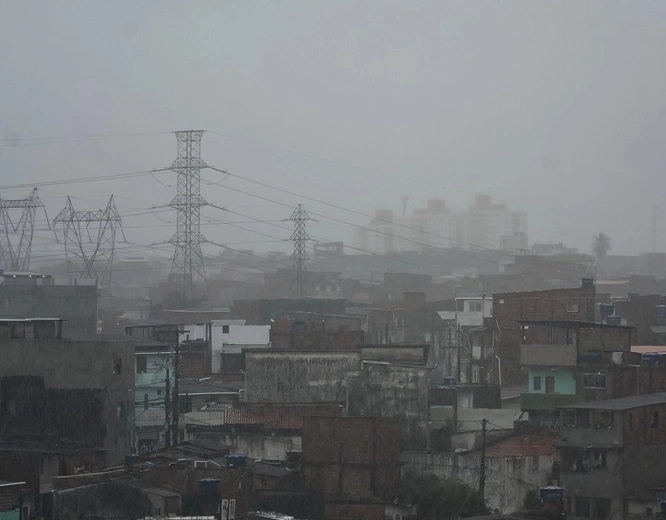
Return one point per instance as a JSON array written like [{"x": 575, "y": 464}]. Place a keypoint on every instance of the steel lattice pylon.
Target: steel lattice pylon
[
  {"x": 16, "y": 235},
  {"x": 90, "y": 238},
  {"x": 188, "y": 265},
  {"x": 300, "y": 255}
]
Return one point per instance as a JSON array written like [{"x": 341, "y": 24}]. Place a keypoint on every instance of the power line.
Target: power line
[{"x": 84, "y": 179}]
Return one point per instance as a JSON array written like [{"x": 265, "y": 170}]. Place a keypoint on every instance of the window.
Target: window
[
  {"x": 572, "y": 305},
  {"x": 117, "y": 366},
  {"x": 141, "y": 364},
  {"x": 595, "y": 381},
  {"x": 475, "y": 306},
  {"x": 158, "y": 511},
  {"x": 648, "y": 511},
  {"x": 537, "y": 384},
  {"x": 225, "y": 329},
  {"x": 654, "y": 420}
]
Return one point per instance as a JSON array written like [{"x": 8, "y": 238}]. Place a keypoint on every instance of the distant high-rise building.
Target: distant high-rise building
[{"x": 484, "y": 226}]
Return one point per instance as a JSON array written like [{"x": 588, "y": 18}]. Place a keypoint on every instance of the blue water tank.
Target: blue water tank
[
  {"x": 236, "y": 459},
  {"x": 208, "y": 486}
]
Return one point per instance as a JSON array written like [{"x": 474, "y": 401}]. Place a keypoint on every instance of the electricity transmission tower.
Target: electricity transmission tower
[
  {"x": 187, "y": 267},
  {"x": 300, "y": 255},
  {"x": 90, "y": 237},
  {"x": 16, "y": 235}
]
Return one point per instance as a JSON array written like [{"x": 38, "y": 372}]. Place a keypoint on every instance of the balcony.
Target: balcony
[
  {"x": 534, "y": 401},
  {"x": 548, "y": 355}
]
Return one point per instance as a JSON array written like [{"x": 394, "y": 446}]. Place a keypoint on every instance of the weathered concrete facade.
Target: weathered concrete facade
[
  {"x": 508, "y": 478},
  {"x": 398, "y": 392},
  {"x": 80, "y": 392},
  {"x": 291, "y": 376}
]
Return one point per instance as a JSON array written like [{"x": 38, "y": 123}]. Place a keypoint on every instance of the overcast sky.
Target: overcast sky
[{"x": 555, "y": 108}]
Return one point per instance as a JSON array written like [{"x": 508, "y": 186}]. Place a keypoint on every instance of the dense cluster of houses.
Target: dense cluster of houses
[{"x": 317, "y": 408}]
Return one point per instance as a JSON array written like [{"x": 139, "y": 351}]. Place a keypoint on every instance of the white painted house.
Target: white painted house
[{"x": 230, "y": 337}]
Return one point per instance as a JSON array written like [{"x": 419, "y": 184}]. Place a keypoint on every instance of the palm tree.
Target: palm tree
[{"x": 601, "y": 244}]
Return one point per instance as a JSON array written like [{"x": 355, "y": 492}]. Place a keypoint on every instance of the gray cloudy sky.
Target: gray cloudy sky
[{"x": 556, "y": 108}]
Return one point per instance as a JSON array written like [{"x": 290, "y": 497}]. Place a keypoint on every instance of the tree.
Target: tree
[{"x": 440, "y": 499}]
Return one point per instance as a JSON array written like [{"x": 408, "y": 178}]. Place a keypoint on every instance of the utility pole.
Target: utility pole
[
  {"x": 482, "y": 469},
  {"x": 300, "y": 255},
  {"x": 459, "y": 350},
  {"x": 167, "y": 413},
  {"x": 176, "y": 434},
  {"x": 187, "y": 267}
]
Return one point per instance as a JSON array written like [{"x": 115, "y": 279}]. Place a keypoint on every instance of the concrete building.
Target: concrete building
[
  {"x": 575, "y": 304},
  {"x": 610, "y": 451},
  {"x": 292, "y": 376},
  {"x": 514, "y": 466},
  {"x": 65, "y": 392},
  {"x": 37, "y": 295},
  {"x": 393, "y": 391},
  {"x": 569, "y": 361},
  {"x": 484, "y": 226},
  {"x": 229, "y": 338},
  {"x": 351, "y": 456},
  {"x": 488, "y": 226},
  {"x": 312, "y": 331},
  {"x": 153, "y": 388},
  {"x": 260, "y": 431}
]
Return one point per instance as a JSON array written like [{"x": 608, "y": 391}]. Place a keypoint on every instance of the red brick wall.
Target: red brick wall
[
  {"x": 353, "y": 455},
  {"x": 509, "y": 308},
  {"x": 193, "y": 364},
  {"x": 637, "y": 427}
]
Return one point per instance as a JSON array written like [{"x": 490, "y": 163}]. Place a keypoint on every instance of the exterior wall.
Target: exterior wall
[
  {"x": 508, "y": 308},
  {"x": 76, "y": 304},
  {"x": 82, "y": 366},
  {"x": 149, "y": 400},
  {"x": 298, "y": 376},
  {"x": 564, "y": 379},
  {"x": 548, "y": 355},
  {"x": 396, "y": 392},
  {"x": 507, "y": 479},
  {"x": 413, "y": 354},
  {"x": 638, "y": 428},
  {"x": 238, "y": 335},
  {"x": 256, "y": 445},
  {"x": 351, "y": 455},
  {"x": 313, "y": 331},
  {"x": 234, "y": 483},
  {"x": 37, "y": 469},
  {"x": 634, "y": 458}
]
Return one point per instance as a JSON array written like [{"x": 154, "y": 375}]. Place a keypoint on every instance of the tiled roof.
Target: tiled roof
[
  {"x": 523, "y": 446},
  {"x": 279, "y": 416}
]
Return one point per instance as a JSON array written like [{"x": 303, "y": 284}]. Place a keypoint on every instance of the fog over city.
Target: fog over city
[
  {"x": 554, "y": 109},
  {"x": 332, "y": 260}
]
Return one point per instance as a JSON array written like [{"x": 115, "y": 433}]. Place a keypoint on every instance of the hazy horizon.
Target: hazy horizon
[{"x": 555, "y": 109}]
